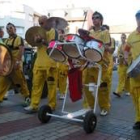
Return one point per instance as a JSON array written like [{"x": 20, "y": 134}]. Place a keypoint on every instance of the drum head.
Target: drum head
[
  {"x": 93, "y": 55},
  {"x": 5, "y": 61},
  {"x": 71, "y": 50},
  {"x": 56, "y": 55}
]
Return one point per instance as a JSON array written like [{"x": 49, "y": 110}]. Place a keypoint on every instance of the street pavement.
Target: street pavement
[{"x": 15, "y": 124}]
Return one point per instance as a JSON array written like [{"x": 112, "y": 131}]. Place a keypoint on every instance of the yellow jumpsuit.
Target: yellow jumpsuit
[
  {"x": 111, "y": 64},
  {"x": 45, "y": 69},
  {"x": 90, "y": 75},
  {"x": 16, "y": 76},
  {"x": 123, "y": 80},
  {"x": 134, "y": 44},
  {"x": 62, "y": 77}
]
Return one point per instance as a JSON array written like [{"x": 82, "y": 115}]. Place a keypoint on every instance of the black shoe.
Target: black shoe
[
  {"x": 136, "y": 126},
  {"x": 116, "y": 94},
  {"x": 5, "y": 98}
]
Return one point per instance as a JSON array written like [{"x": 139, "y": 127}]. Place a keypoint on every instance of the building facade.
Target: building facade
[{"x": 22, "y": 16}]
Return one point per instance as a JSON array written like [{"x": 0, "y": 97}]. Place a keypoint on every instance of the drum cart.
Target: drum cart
[{"x": 85, "y": 116}]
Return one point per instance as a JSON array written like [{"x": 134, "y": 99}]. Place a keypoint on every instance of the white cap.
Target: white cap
[{"x": 138, "y": 13}]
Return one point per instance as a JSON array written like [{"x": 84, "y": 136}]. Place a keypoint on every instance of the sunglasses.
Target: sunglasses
[{"x": 95, "y": 17}]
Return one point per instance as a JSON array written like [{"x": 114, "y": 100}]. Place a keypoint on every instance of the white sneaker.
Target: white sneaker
[
  {"x": 103, "y": 112},
  {"x": 128, "y": 94},
  {"x": 62, "y": 97},
  {"x": 30, "y": 109}
]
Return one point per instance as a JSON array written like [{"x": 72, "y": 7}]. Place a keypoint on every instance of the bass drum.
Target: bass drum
[{"x": 6, "y": 64}]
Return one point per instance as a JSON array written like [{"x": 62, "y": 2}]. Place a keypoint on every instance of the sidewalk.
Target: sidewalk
[{"x": 16, "y": 125}]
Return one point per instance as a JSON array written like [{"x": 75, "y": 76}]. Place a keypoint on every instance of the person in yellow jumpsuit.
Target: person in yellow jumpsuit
[
  {"x": 123, "y": 80},
  {"x": 133, "y": 48},
  {"x": 90, "y": 75},
  {"x": 16, "y": 77},
  {"x": 62, "y": 79},
  {"x": 110, "y": 55},
  {"x": 45, "y": 69},
  {"x": 62, "y": 71}
]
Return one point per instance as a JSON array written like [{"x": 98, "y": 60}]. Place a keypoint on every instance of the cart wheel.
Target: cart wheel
[
  {"x": 90, "y": 122},
  {"x": 42, "y": 113}
]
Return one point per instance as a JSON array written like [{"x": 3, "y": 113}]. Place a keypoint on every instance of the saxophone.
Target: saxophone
[{"x": 121, "y": 58}]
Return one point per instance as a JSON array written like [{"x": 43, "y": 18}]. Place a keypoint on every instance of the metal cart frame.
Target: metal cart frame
[{"x": 89, "y": 120}]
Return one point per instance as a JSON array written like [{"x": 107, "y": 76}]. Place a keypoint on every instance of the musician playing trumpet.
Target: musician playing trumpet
[{"x": 123, "y": 80}]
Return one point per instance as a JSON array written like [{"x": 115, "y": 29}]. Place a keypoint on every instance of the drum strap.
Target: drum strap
[{"x": 11, "y": 47}]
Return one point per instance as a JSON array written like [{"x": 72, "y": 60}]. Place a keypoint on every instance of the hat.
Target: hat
[{"x": 138, "y": 13}]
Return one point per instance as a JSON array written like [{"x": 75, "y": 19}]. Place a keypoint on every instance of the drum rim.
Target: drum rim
[
  {"x": 74, "y": 34},
  {"x": 99, "y": 41},
  {"x": 97, "y": 51},
  {"x": 11, "y": 67},
  {"x": 60, "y": 52},
  {"x": 69, "y": 55}
]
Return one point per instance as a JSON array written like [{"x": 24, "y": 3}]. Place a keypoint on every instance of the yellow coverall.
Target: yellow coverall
[
  {"x": 45, "y": 69},
  {"x": 111, "y": 64},
  {"x": 134, "y": 44},
  {"x": 16, "y": 76},
  {"x": 62, "y": 77},
  {"x": 90, "y": 75},
  {"x": 123, "y": 81}
]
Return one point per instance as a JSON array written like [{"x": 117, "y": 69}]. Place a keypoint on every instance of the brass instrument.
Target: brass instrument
[
  {"x": 57, "y": 23},
  {"x": 34, "y": 32}
]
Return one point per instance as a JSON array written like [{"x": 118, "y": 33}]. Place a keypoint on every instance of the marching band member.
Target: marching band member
[
  {"x": 45, "y": 69},
  {"x": 15, "y": 44},
  {"x": 110, "y": 55},
  {"x": 122, "y": 68},
  {"x": 62, "y": 71},
  {"x": 133, "y": 48},
  {"x": 90, "y": 75}
]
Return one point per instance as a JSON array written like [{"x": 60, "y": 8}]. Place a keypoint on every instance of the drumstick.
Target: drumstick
[{"x": 84, "y": 19}]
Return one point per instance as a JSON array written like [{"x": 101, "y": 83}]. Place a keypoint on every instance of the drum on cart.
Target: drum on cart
[
  {"x": 6, "y": 64},
  {"x": 74, "y": 46},
  {"x": 94, "y": 50},
  {"x": 55, "y": 51}
]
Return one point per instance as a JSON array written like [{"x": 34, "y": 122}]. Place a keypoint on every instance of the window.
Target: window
[
  {"x": 18, "y": 15},
  {"x": 31, "y": 18},
  {"x": 20, "y": 30}
]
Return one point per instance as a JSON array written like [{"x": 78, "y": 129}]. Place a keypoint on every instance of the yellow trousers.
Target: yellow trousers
[
  {"x": 39, "y": 77},
  {"x": 90, "y": 75},
  {"x": 110, "y": 71},
  {"x": 16, "y": 77},
  {"x": 123, "y": 81},
  {"x": 135, "y": 93},
  {"x": 62, "y": 81}
]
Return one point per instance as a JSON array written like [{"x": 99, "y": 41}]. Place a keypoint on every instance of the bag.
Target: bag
[{"x": 75, "y": 84}]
